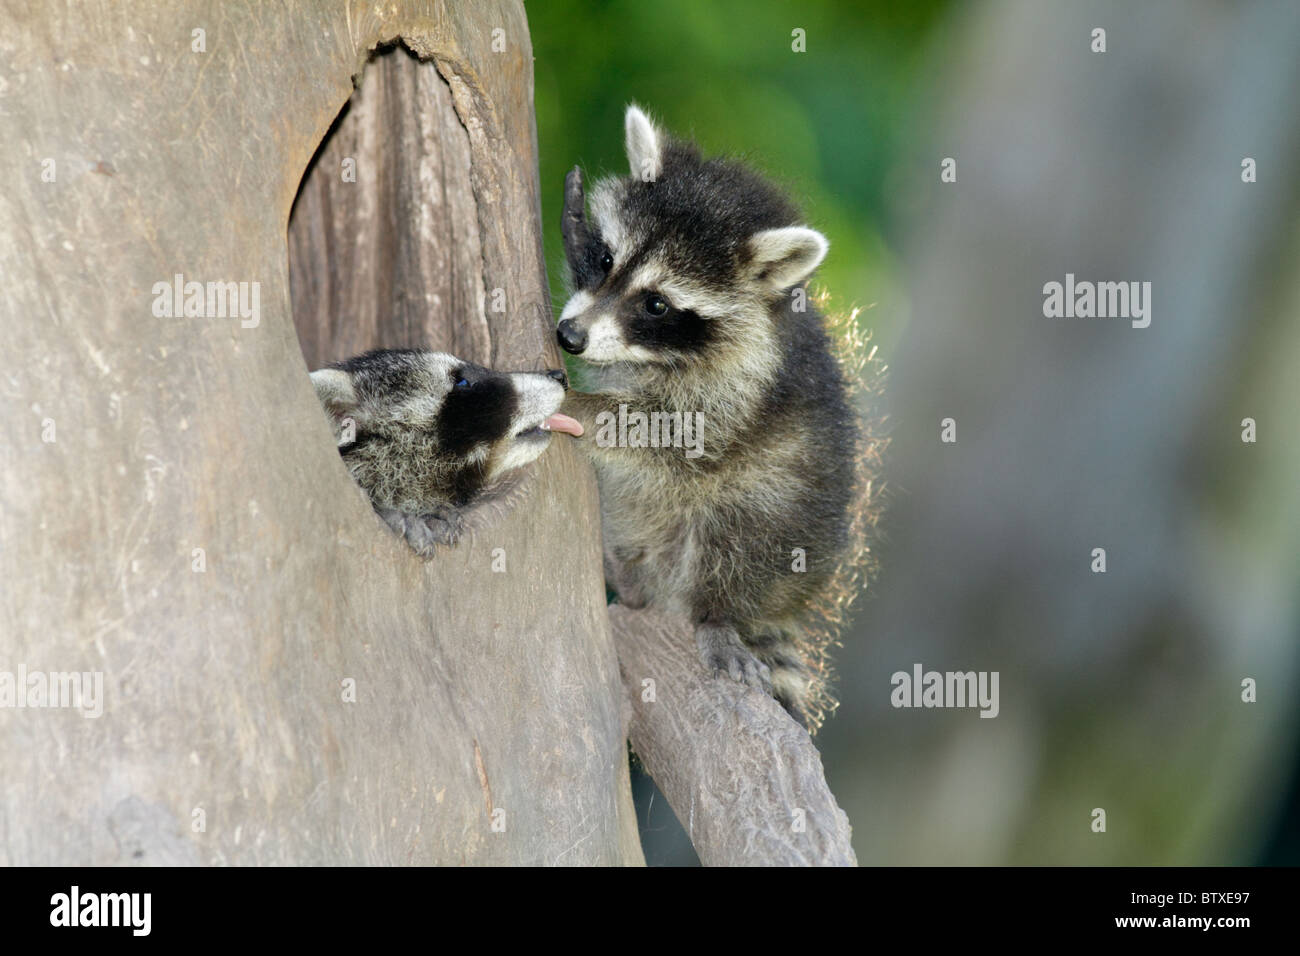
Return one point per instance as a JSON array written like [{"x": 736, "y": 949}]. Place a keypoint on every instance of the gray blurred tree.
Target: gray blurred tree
[{"x": 1119, "y": 690}]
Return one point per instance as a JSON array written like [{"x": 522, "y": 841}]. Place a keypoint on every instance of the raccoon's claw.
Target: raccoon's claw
[
  {"x": 722, "y": 652},
  {"x": 423, "y": 532}
]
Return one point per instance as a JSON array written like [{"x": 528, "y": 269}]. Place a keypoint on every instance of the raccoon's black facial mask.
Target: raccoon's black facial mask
[
  {"x": 478, "y": 410},
  {"x": 652, "y": 322}
]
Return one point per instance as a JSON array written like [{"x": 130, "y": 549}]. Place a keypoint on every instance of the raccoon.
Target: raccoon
[
  {"x": 688, "y": 298},
  {"x": 432, "y": 439}
]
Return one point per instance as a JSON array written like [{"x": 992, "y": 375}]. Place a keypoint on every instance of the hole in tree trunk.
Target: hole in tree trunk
[{"x": 384, "y": 247}]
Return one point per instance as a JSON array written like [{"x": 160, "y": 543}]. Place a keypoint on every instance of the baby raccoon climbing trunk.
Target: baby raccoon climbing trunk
[{"x": 742, "y": 507}]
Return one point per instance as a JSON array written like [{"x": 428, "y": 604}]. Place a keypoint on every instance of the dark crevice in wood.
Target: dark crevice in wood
[{"x": 394, "y": 258}]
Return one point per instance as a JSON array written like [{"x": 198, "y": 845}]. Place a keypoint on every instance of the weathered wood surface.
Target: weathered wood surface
[
  {"x": 475, "y": 690},
  {"x": 392, "y": 258},
  {"x": 744, "y": 779}
]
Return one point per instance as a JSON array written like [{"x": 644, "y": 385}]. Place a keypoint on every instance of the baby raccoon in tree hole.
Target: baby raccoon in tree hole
[
  {"x": 431, "y": 438},
  {"x": 689, "y": 301}
]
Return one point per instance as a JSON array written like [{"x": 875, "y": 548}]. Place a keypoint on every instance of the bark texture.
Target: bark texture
[
  {"x": 743, "y": 778},
  {"x": 174, "y": 515}
]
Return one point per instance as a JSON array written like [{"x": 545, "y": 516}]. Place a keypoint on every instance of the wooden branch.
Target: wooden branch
[{"x": 743, "y": 777}]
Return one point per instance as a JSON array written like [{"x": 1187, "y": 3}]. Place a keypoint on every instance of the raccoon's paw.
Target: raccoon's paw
[
  {"x": 424, "y": 532},
  {"x": 722, "y": 652}
]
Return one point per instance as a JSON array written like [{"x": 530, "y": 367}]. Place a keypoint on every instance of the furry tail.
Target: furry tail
[{"x": 793, "y": 685}]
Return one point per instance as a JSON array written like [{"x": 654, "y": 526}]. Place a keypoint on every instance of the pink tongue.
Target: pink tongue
[{"x": 563, "y": 423}]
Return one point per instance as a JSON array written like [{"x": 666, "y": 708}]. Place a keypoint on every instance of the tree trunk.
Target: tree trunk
[{"x": 283, "y": 680}]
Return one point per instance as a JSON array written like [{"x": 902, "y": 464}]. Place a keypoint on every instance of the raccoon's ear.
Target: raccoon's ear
[
  {"x": 781, "y": 258},
  {"x": 644, "y": 145},
  {"x": 335, "y": 391}
]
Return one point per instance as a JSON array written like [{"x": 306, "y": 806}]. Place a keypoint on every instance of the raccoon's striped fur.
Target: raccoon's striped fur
[
  {"x": 689, "y": 297},
  {"x": 431, "y": 437}
]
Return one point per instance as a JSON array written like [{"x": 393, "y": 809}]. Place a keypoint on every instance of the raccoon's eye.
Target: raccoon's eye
[
  {"x": 656, "y": 304},
  {"x": 607, "y": 262}
]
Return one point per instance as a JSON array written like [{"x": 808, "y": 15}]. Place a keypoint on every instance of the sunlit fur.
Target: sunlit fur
[
  {"x": 717, "y": 537},
  {"x": 421, "y": 445}
]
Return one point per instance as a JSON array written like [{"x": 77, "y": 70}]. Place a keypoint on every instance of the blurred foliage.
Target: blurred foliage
[{"x": 825, "y": 123}]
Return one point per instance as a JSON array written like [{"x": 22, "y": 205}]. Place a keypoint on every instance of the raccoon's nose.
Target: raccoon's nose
[
  {"x": 572, "y": 339},
  {"x": 559, "y": 376}
]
